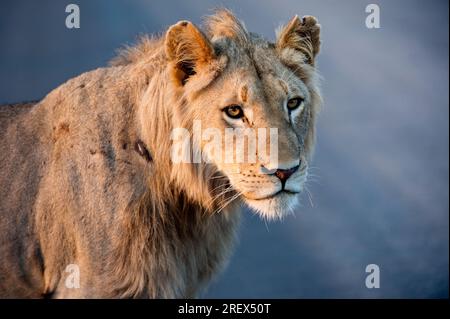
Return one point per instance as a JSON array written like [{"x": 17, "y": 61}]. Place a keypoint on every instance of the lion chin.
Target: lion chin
[{"x": 274, "y": 207}]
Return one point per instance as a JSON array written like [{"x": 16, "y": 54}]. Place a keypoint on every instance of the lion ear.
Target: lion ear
[
  {"x": 299, "y": 41},
  {"x": 188, "y": 50}
]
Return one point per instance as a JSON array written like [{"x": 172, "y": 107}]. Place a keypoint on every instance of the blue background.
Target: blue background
[{"x": 380, "y": 193}]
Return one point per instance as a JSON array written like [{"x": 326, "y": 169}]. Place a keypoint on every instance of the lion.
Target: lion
[{"x": 86, "y": 177}]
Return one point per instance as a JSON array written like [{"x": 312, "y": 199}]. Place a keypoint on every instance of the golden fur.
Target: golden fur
[{"x": 75, "y": 190}]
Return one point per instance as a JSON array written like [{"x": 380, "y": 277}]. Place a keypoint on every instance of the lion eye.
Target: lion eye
[
  {"x": 294, "y": 103},
  {"x": 234, "y": 111}
]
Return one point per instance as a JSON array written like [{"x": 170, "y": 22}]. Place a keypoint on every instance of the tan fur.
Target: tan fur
[{"x": 74, "y": 190}]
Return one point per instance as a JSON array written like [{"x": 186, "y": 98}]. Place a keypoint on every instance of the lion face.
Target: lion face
[{"x": 255, "y": 102}]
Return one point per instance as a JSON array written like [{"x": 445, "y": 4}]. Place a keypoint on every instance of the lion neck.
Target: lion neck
[
  {"x": 180, "y": 224},
  {"x": 158, "y": 114}
]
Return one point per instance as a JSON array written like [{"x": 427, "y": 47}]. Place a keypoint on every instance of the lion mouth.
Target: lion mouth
[{"x": 278, "y": 193}]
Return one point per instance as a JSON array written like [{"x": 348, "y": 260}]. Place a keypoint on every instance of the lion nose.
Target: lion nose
[{"x": 284, "y": 174}]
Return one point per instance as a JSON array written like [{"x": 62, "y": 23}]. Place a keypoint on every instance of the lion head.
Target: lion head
[{"x": 230, "y": 78}]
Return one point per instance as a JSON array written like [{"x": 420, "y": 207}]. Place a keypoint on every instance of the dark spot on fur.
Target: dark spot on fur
[
  {"x": 184, "y": 23},
  {"x": 142, "y": 150},
  {"x": 92, "y": 151},
  {"x": 124, "y": 146},
  {"x": 244, "y": 93},
  {"x": 125, "y": 161},
  {"x": 64, "y": 127},
  {"x": 82, "y": 86}
]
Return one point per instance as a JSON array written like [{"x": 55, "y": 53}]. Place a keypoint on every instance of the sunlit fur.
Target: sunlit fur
[{"x": 74, "y": 190}]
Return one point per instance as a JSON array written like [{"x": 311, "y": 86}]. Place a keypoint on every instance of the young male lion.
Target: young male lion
[{"x": 86, "y": 177}]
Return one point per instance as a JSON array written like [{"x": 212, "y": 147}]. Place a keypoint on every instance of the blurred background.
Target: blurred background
[{"x": 380, "y": 190}]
